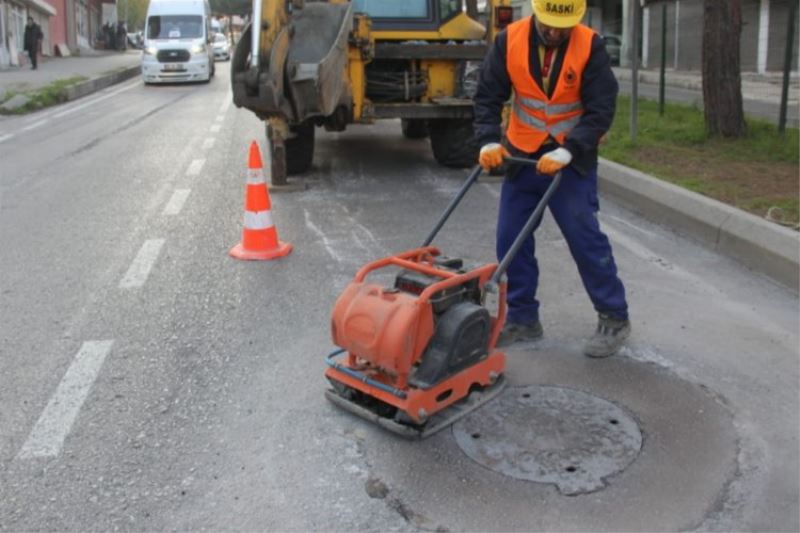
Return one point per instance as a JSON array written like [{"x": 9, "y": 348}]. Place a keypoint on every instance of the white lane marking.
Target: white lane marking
[
  {"x": 47, "y": 436},
  {"x": 731, "y": 305},
  {"x": 492, "y": 190},
  {"x": 215, "y": 128},
  {"x": 96, "y": 100},
  {"x": 630, "y": 225},
  {"x": 208, "y": 144},
  {"x": 645, "y": 253},
  {"x": 81, "y": 101},
  {"x": 360, "y": 227},
  {"x": 35, "y": 125},
  {"x": 6, "y": 137},
  {"x": 140, "y": 268},
  {"x": 195, "y": 167},
  {"x": 220, "y": 118},
  {"x": 227, "y": 103},
  {"x": 326, "y": 242},
  {"x": 175, "y": 203}
]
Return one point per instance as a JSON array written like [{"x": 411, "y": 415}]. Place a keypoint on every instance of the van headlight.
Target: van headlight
[
  {"x": 198, "y": 48},
  {"x": 150, "y": 50}
]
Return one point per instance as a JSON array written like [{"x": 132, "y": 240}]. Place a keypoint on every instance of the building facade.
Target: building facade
[
  {"x": 763, "y": 39},
  {"x": 67, "y": 25},
  {"x": 13, "y": 17},
  {"x": 762, "y": 42}
]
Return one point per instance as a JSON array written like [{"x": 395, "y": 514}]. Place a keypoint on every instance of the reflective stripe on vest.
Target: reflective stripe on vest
[
  {"x": 550, "y": 109},
  {"x": 560, "y": 127},
  {"x": 535, "y": 116}
]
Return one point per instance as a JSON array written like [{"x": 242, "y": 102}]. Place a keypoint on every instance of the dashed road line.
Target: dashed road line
[
  {"x": 6, "y": 137},
  {"x": 35, "y": 125},
  {"x": 215, "y": 128},
  {"x": 47, "y": 437},
  {"x": 175, "y": 203},
  {"x": 208, "y": 144},
  {"x": 195, "y": 167},
  {"x": 142, "y": 263},
  {"x": 220, "y": 118}
]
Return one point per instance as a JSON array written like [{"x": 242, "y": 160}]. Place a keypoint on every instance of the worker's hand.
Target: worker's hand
[
  {"x": 492, "y": 155},
  {"x": 552, "y": 162}
]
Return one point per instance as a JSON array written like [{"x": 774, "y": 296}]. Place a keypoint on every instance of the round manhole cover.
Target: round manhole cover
[{"x": 551, "y": 435}]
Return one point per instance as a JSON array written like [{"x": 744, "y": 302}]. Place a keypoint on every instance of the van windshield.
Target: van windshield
[{"x": 175, "y": 27}]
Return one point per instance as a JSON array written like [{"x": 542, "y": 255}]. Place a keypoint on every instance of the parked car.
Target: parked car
[
  {"x": 613, "y": 47},
  {"x": 136, "y": 40},
  {"x": 222, "y": 48}
]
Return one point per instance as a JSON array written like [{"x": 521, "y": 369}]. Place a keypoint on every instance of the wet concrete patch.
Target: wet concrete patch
[
  {"x": 556, "y": 435},
  {"x": 688, "y": 457}
]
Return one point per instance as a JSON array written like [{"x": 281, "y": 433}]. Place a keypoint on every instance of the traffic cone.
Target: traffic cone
[{"x": 259, "y": 237}]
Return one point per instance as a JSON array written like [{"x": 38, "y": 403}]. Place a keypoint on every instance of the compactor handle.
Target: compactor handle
[
  {"x": 527, "y": 230},
  {"x": 472, "y": 178}
]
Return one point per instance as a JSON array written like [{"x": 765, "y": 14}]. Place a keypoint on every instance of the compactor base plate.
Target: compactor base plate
[{"x": 436, "y": 423}]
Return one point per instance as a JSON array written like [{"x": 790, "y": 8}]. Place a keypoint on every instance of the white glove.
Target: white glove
[
  {"x": 492, "y": 155},
  {"x": 552, "y": 162}
]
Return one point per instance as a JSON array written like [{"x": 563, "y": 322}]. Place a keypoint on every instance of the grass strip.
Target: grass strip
[
  {"x": 758, "y": 173},
  {"x": 51, "y": 94}
]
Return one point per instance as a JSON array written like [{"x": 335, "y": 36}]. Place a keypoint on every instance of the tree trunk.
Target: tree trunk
[{"x": 722, "y": 81}]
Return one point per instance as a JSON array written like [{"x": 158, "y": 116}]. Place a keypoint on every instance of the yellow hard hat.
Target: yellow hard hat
[{"x": 559, "y": 13}]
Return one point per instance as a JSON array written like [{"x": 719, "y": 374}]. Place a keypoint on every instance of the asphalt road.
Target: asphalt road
[
  {"x": 150, "y": 382},
  {"x": 760, "y": 108}
]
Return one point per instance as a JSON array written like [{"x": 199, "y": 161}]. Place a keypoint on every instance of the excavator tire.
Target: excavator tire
[
  {"x": 453, "y": 142},
  {"x": 414, "y": 128},
  {"x": 300, "y": 149}
]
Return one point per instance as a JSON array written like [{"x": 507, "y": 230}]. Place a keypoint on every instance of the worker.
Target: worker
[{"x": 564, "y": 99}]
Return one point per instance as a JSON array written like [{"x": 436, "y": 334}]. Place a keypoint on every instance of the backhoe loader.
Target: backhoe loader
[{"x": 302, "y": 64}]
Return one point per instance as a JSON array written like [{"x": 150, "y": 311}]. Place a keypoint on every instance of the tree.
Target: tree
[
  {"x": 231, "y": 7},
  {"x": 722, "y": 80},
  {"x": 133, "y": 13}
]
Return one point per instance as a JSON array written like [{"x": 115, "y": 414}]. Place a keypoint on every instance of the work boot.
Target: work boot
[
  {"x": 608, "y": 338},
  {"x": 513, "y": 332}
]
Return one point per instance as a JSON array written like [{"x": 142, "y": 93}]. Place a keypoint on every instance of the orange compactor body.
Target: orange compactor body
[{"x": 417, "y": 354}]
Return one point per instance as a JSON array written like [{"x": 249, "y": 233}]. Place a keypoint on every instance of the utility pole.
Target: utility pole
[
  {"x": 787, "y": 67},
  {"x": 634, "y": 55}
]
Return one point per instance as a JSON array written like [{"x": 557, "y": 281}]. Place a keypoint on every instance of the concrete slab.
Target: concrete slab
[{"x": 688, "y": 456}]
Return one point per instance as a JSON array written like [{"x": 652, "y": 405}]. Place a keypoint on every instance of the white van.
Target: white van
[{"x": 177, "y": 42}]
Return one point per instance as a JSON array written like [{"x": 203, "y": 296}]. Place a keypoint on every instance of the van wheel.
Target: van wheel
[
  {"x": 414, "y": 128},
  {"x": 300, "y": 148},
  {"x": 453, "y": 142}
]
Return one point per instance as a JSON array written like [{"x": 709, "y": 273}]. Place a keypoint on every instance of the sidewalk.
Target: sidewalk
[
  {"x": 757, "y": 87},
  {"x": 98, "y": 67}
]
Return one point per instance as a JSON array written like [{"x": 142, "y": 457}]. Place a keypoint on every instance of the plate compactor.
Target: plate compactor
[{"x": 417, "y": 356}]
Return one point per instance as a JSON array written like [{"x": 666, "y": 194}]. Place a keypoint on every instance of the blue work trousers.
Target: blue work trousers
[{"x": 574, "y": 207}]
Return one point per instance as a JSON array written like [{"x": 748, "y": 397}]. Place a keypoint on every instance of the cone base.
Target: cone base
[{"x": 239, "y": 252}]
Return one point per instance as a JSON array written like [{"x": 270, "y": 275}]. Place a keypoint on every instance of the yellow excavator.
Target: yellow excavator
[{"x": 304, "y": 64}]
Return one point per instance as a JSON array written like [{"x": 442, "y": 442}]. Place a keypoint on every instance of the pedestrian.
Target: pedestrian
[
  {"x": 32, "y": 41},
  {"x": 564, "y": 100}
]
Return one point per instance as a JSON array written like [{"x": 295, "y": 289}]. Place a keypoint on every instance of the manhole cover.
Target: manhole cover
[{"x": 551, "y": 435}]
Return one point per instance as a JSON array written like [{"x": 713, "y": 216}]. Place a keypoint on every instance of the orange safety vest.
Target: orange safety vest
[{"x": 534, "y": 116}]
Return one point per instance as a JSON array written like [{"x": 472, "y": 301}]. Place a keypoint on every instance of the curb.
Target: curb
[
  {"x": 97, "y": 84},
  {"x": 762, "y": 246}
]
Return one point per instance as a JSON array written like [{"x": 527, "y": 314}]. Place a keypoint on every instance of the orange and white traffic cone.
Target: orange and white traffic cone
[{"x": 259, "y": 237}]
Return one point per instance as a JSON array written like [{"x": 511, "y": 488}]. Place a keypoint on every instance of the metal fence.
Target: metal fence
[{"x": 669, "y": 34}]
